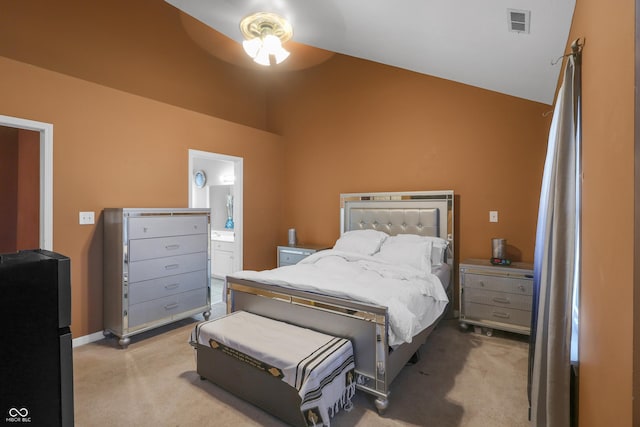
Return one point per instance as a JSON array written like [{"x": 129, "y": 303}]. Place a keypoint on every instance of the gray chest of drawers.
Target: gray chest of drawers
[
  {"x": 155, "y": 269},
  {"x": 496, "y": 297}
]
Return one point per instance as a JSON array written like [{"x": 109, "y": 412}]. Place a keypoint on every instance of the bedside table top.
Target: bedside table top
[
  {"x": 305, "y": 246},
  {"x": 486, "y": 263}
]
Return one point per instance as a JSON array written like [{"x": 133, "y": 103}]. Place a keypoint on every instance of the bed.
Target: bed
[{"x": 383, "y": 342}]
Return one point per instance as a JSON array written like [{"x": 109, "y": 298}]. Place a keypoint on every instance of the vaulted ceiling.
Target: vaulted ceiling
[{"x": 467, "y": 41}]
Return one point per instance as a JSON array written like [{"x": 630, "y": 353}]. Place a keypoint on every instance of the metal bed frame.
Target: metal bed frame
[{"x": 428, "y": 213}]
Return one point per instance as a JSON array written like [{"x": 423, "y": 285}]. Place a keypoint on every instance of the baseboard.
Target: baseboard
[
  {"x": 97, "y": 336},
  {"x": 87, "y": 339}
]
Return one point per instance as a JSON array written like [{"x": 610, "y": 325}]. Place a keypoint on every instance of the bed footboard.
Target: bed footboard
[{"x": 366, "y": 325}]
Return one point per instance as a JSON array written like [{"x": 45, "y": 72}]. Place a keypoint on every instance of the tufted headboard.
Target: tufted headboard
[{"x": 426, "y": 213}]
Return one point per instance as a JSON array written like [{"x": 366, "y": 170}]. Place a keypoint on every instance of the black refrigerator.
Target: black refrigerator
[{"x": 36, "y": 365}]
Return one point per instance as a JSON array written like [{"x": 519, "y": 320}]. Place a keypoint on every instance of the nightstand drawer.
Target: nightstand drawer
[
  {"x": 497, "y": 299},
  {"x": 514, "y": 285},
  {"x": 497, "y": 314},
  {"x": 291, "y": 257}
]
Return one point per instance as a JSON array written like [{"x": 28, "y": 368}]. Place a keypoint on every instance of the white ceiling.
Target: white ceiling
[{"x": 467, "y": 41}]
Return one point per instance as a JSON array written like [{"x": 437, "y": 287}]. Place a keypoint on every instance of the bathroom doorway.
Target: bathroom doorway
[{"x": 215, "y": 182}]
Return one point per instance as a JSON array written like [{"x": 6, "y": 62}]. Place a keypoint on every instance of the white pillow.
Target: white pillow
[
  {"x": 407, "y": 249},
  {"x": 365, "y": 242},
  {"x": 438, "y": 250}
]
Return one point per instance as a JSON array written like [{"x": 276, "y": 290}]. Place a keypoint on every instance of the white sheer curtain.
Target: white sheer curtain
[{"x": 556, "y": 261}]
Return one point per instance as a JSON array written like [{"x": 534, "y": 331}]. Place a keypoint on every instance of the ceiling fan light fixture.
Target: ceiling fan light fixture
[
  {"x": 271, "y": 43},
  {"x": 251, "y": 47},
  {"x": 281, "y": 55},
  {"x": 262, "y": 58},
  {"x": 264, "y": 35}
]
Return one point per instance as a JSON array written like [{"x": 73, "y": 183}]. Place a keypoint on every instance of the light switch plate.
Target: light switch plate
[
  {"x": 493, "y": 216},
  {"x": 87, "y": 218}
]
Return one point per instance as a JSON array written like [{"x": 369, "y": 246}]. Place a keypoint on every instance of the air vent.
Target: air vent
[{"x": 519, "y": 20}]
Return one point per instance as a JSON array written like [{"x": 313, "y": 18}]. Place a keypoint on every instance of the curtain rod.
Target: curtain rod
[{"x": 576, "y": 51}]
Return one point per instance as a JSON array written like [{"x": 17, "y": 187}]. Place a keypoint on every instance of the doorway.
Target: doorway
[
  {"x": 44, "y": 164},
  {"x": 215, "y": 183}
]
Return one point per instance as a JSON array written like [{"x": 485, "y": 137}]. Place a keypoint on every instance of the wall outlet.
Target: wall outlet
[
  {"x": 493, "y": 216},
  {"x": 87, "y": 218}
]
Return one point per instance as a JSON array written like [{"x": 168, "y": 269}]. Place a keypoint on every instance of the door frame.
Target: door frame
[
  {"x": 238, "y": 170},
  {"x": 635, "y": 414},
  {"x": 46, "y": 173}
]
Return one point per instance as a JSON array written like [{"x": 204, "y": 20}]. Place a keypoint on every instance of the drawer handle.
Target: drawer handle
[
  {"x": 481, "y": 283},
  {"x": 522, "y": 288},
  {"x": 172, "y": 247},
  {"x": 171, "y": 266},
  {"x": 172, "y": 286},
  {"x": 502, "y": 300},
  {"x": 171, "y": 306},
  {"x": 501, "y": 314}
]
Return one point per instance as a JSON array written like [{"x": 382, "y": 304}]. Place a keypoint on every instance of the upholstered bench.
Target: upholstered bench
[{"x": 299, "y": 375}]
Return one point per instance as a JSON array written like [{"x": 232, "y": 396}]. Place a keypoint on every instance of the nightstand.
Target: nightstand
[
  {"x": 289, "y": 255},
  {"x": 496, "y": 297}
]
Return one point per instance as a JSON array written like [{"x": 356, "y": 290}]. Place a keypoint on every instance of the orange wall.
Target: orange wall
[
  {"x": 356, "y": 126},
  {"x": 113, "y": 149},
  {"x": 8, "y": 188},
  {"x": 19, "y": 189},
  {"x": 28, "y": 218},
  {"x": 137, "y": 46},
  {"x": 606, "y": 309}
]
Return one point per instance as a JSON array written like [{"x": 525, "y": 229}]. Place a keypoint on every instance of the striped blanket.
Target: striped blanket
[{"x": 319, "y": 366}]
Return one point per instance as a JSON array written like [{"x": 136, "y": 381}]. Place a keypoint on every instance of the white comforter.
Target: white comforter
[{"x": 415, "y": 299}]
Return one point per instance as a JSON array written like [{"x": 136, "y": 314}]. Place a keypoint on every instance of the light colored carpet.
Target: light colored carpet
[{"x": 462, "y": 379}]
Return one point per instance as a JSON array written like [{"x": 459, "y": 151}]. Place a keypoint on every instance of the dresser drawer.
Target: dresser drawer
[
  {"x": 499, "y": 284},
  {"x": 166, "y": 286},
  {"x": 160, "y": 267},
  {"x": 161, "y": 226},
  {"x": 161, "y": 308},
  {"x": 498, "y": 299},
  {"x": 497, "y": 314},
  {"x": 141, "y": 249}
]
